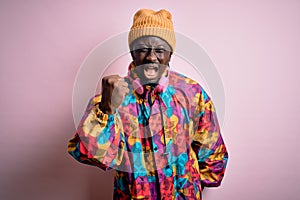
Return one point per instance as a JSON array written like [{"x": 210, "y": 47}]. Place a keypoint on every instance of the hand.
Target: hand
[{"x": 114, "y": 90}]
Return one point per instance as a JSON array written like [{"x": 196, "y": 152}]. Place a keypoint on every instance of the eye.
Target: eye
[
  {"x": 142, "y": 50},
  {"x": 160, "y": 50}
]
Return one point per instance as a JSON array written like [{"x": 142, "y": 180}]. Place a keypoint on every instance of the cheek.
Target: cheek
[
  {"x": 165, "y": 60},
  {"x": 137, "y": 59}
]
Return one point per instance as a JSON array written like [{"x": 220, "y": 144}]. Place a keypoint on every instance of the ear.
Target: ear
[
  {"x": 171, "y": 53},
  {"x": 131, "y": 53}
]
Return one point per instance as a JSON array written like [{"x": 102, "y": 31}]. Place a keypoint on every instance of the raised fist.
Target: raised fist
[{"x": 114, "y": 90}]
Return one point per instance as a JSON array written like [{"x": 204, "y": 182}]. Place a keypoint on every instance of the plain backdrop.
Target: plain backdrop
[{"x": 254, "y": 45}]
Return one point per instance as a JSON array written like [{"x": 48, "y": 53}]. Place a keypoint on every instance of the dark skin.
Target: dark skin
[{"x": 151, "y": 56}]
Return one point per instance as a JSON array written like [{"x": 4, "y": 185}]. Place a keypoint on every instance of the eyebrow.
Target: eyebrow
[{"x": 140, "y": 46}]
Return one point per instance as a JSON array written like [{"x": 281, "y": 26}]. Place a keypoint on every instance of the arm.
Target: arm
[
  {"x": 99, "y": 138},
  {"x": 208, "y": 144}
]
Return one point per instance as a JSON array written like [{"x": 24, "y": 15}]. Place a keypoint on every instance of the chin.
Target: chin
[
  {"x": 152, "y": 81},
  {"x": 146, "y": 81}
]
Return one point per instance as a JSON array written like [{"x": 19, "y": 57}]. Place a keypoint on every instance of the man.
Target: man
[{"x": 157, "y": 128}]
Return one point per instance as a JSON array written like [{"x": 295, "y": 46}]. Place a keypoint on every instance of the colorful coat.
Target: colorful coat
[{"x": 164, "y": 143}]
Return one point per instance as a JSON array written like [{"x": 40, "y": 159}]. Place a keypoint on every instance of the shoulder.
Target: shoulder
[
  {"x": 186, "y": 85},
  {"x": 176, "y": 78}
]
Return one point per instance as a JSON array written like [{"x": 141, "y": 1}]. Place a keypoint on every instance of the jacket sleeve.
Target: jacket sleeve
[
  {"x": 208, "y": 144},
  {"x": 99, "y": 139}
]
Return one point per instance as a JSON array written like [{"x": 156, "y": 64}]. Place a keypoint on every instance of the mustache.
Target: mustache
[{"x": 155, "y": 66}]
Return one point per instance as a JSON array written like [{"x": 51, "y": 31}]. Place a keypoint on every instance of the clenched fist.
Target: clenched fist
[{"x": 114, "y": 90}]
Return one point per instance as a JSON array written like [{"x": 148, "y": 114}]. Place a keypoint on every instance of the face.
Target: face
[{"x": 151, "y": 56}]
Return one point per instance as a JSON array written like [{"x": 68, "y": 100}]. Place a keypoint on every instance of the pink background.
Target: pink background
[{"x": 255, "y": 46}]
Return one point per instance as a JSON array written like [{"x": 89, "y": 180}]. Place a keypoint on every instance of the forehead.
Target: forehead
[{"x": 150, "y": 41}]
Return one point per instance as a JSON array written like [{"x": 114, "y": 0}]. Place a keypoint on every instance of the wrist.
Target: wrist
[{"x": 106, "y": 108}]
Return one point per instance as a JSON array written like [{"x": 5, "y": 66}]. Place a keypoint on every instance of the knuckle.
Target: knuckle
[{"x": 115, "y": 84}]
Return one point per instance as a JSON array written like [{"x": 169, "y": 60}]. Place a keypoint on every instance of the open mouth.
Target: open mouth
[
  {"x": 150, "y": 68},
  {"x": 151, "y": 71}
]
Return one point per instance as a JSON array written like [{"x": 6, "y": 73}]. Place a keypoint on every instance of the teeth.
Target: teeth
[{"x": 155, "y": 68}]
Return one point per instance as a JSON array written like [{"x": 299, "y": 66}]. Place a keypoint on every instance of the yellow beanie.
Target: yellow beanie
[{"x": 151, "y": 23}]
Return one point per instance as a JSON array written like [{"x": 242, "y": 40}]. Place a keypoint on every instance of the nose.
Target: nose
[{"x": 151, "y": 55}]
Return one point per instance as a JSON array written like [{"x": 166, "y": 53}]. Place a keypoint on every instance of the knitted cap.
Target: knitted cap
[{"x": 151, "y": 23}]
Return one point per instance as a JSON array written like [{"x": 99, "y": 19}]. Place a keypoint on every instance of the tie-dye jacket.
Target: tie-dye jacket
[{"x": 164, "y": 143}]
